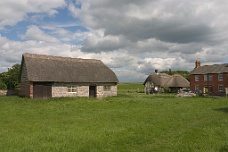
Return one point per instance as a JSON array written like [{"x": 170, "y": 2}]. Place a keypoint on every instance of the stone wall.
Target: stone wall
[
  {"x": 106, "y": 93},
  {"x": 3, "y": 92},
  {"x": 61, "y": 90},
  {"x": 83, "y": 91}
]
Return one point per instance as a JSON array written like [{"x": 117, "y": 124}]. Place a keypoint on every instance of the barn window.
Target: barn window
[
  {"x": 107, "y": 88},
  {"x": 72, "y": 88}
]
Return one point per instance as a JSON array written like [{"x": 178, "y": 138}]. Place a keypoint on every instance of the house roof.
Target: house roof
[
  {"x": 46, "y": 68},
  {"x": 177, "y": 80},
  {"x": 165, "y": 80},
  {"x": 159, "y": 79},
  {"x": 215, "y": 68}
]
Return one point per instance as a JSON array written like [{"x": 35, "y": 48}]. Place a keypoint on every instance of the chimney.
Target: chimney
[
  {"x": 170, "y": 72},
  {"x": 156, "y": 71},
  {"x": 197, "y": 64}
]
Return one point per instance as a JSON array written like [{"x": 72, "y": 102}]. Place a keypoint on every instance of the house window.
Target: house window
[
  {"x": 107, "y": 88},
  {"x": 220, "y": 88},
  {"x": 220, "y": 77},
  {"x": 210, "y": 77},
  {"x": 72, "y": 89},
  {"x": 205, "y": 77},
  {"x": 196, "y": 88},
  {"x": 196, "y": 78}
]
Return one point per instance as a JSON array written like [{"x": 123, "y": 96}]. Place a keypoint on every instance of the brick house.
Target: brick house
[
  {"x": 209, "y": 78},
  {"x": 45, "y": 76}
]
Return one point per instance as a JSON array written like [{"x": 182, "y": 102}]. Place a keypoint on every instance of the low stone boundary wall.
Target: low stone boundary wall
[
  {"x": 8, "y": 92},
  {"x": 3, "y": 92}
]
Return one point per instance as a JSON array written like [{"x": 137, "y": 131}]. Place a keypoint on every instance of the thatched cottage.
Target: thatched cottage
[
  {"x": 159, "y": 82},
  {"x": 44, "y": 76}
]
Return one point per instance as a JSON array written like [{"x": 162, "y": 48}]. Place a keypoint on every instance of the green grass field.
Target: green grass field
[{"x": 130, "y": 122}]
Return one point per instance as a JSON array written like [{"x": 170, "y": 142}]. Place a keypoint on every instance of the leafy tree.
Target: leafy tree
[
  {"x": 11, "y": 78},
  {"x": 2, "y": 85}
]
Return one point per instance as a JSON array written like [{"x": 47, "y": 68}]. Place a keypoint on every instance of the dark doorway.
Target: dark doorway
[
  {"x": 92, "y": 91},
  {"x": 42, "y": 90}
]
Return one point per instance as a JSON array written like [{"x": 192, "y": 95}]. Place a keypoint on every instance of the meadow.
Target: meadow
[{"x": 129, "y": 122}]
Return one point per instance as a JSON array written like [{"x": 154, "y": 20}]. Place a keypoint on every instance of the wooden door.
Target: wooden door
[
  {"x": 92, "y": 91},
  {"x": 42, "y": 90}
]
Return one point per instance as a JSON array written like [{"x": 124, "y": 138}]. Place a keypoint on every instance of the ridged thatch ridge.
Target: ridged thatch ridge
[
  {"x": 215, "y": 68},
  {"x": 46, "y": 68}
]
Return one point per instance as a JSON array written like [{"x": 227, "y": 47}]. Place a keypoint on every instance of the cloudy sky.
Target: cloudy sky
[{"x": 132, "y": 37}]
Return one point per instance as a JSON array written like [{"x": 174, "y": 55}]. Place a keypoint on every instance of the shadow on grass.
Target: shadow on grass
[{"x": 222, "y": 109}]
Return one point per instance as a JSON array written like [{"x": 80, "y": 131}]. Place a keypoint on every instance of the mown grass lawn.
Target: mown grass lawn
[{"x": 129, "y": 122}]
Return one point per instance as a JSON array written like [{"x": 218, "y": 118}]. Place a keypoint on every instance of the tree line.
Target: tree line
[
  {"x": 10, "y": 79},
  {"x": 185, "y": 74}
]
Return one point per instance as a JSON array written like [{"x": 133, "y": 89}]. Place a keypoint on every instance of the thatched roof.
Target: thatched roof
[
  {"x": 215, "y": 68},
  {"x": 159, "y": 79},
  {"x": 165, "y": 80},
  {"x": 177, "y": 80},
  {"x": 45, "y": 68}
]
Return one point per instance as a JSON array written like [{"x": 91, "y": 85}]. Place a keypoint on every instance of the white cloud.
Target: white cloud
[
  {"x": 130, "y": 75},
  {"x": 64, "y": 35},
  {"x": 99, "y": 43},
  {"x": 35, "y": 33},
  {"x": 169, "y": 21},
  {"x": 11, "y": 51},
  {"x": 13, "y": 11}
]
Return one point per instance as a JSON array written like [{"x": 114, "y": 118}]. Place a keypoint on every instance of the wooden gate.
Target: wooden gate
[
  {"x": 42, "y": 90},
  {"x": 92, "y": 91}
]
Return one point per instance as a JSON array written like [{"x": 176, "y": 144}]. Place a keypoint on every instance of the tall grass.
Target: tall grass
[{"x": 129, "y": 122}]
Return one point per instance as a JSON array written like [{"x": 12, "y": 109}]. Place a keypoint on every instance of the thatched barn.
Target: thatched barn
[
  {"x": 161, "y": 82},
  {"x": 44, "y": 76}
]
